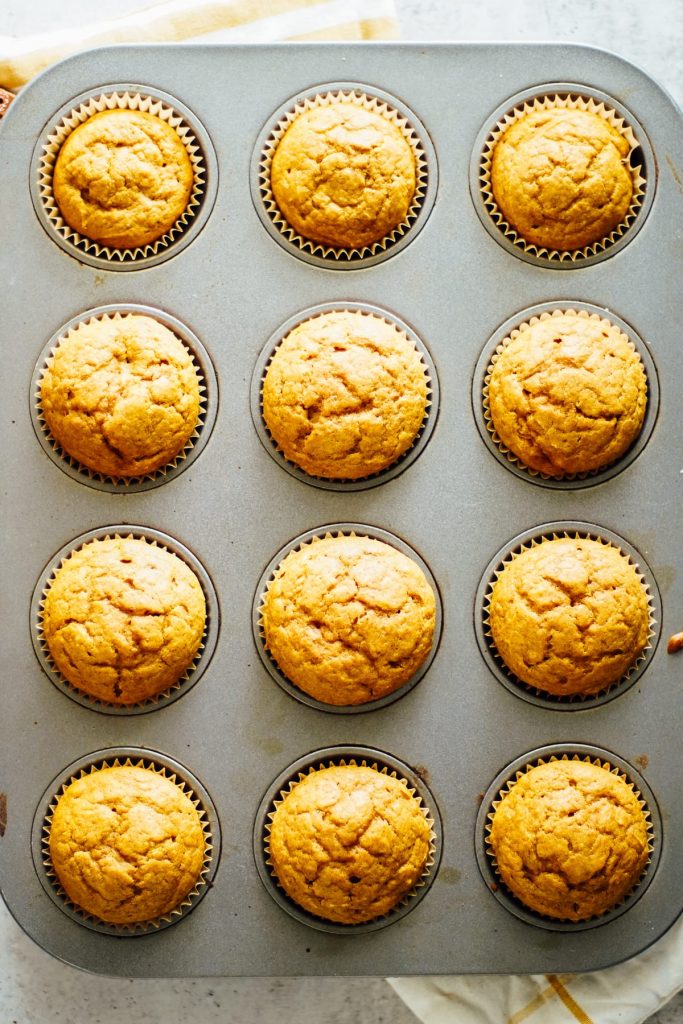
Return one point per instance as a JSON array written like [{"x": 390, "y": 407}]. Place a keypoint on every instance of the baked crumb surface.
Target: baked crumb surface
[
  {"x": 569, "y": 615},
  {"x": 349, "y": 619},
  {"x": 126, "y": 844},
  {"x": 349, "y": 842},
  {"x": 561, "y": 177},
  {"x": 570, "y": 839},
  {"x": 121, "y": 395},
  {"x": 345, "y": 395},
  {"x": 123, "y": 178},
  {"x": 123, "y": 619},
  {"x": 343, "y": 175}
]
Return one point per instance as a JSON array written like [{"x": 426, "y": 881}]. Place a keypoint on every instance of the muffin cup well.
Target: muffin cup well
[
  {"x": 208, "y": 403},
  {"x": 268, "y": 575},
  {"x": 192, "y": 674},
  {"x": 480, "y": 400},
  {"x": 327, "y": 483},
  {"x": 531, "y": 538},
  {"x": 566, "y": 95},
  {"x": 124, "y": 97},
  {"x": 326, "y": 758},
  {"x": 110, "y": 758},
  {"x": 316, "y": 252},
  {"x": 506, "y": 780}
]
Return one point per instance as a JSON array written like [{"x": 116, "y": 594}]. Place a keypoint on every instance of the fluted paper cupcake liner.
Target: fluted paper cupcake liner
[
  {"x": 273, "y": 571},
  {"x": 326, "y": 759},
  {"x": 79, "y": 115},
  {"x": 574, "y": 101},
  {"x": 574, "y": 701},
  {"x": 192, "y": 673},
  {"x": 510, "y": 455},
  {"x": 367, "y": 99},
  {"x": 189, "y": 788},
  {"x": 344, "y": 483},
  {"x": 568, "y": 923}
]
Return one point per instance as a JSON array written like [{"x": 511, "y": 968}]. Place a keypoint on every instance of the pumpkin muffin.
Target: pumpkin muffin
[
  {"x": 569, "y": 616},
  {"x": 121, "y": 395},
  {"x": 343, "y": 175},
  {"x": 126, "y": 844},
  {"x": 567, "y": 394},
  {"x": 347, "y": 843},
  {"x": 123, "y": 619},
  {"x": 570, "y": 839},
  {"x": 561, "y": 177},
  {"x": 348, "y": 619},
  {"x": 345, "y": 395},
  {"x": 122, "y": 178}
]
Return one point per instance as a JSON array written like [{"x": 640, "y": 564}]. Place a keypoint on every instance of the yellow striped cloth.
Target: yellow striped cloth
[{"x": 228, "y": 21}]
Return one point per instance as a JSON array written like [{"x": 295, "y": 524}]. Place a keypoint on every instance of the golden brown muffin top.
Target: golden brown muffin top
[
  {"x": 567, "y": 394},
  {"x": 121, "y": 395},
  {"x": 561, "y": 177},
  {"x": 349, "y": 842},
  {"x": 345, "y": 394},
  {"x": 123, "y": 178},
  {"x": 570, "y": 839},
  {"x": 349, "y": 619},
  {"x": 123, "y": 619},
  {"x": 126, "y": 844},
  {"x": 569, "y": 615},
  {"x": 343, "y": 175}
]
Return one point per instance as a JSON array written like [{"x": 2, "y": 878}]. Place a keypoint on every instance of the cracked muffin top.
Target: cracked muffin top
[
  {"x": 122, "y": 178},
  {"x": 562, "y": 178},
  {"x": 126, "y": 844},
  {"x": 570, "y": 839},
  {"x": 345, "y": 395},
  {"x": 123, "y": 619},
  {"x": 567, "y": 394},
  {"x": 348, "y": 619},
  {"x": 348, "y": 843},
  {"x": 569, "y": 615},
  {"x": 343, "y": 175},
  {"x": 121, "y": 395}
]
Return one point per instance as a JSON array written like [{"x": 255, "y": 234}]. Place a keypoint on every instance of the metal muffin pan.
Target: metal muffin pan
[{"x": 234, "y": 507}]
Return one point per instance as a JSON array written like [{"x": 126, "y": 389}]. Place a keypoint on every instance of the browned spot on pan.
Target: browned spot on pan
[{"x": 3, "y": 814}]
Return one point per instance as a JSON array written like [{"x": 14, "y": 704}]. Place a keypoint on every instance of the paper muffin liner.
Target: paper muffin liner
[
  {"x": 622, "y": 904},
  {"x": 405, "y": 904},
  {"x": 505, "y": 451},
  {"x": 572, "y": 101},
  {"x": 575, "y": 701},
  {"x": 189, "y": 901},
  {"x": 405, "y": 458},
  {"x": 274, "y": 570},
  {"x": 192, "y": 673},
  {"x": 369, "y": 101},
  {"x": 123, "y": 483},
  {"x": 79, "y": 115}
]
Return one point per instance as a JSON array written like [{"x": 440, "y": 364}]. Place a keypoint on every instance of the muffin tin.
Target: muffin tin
[{"x": 234, "y": 507}]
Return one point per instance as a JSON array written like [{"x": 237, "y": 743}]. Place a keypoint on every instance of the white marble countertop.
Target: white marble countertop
[{"x": 35, "y": 988}]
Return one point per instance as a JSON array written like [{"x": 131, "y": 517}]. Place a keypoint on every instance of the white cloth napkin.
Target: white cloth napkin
[{"x": 626, "y": 994}]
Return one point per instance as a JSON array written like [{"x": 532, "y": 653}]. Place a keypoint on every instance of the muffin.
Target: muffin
[
  {"x": 345, "y": 395},
  {"x": 569, "y": 615},
  {"x": 343, "y": 175},
  {"x": 123, "y": 619},
  {"x": 561, "y": 177},
  {"x": 348, "y": 619},
  {"x": 570, "y": 839},
  {"x": 122, "y": 178},
  {"x": 567, "y": 393},
  {"x": 348, "y": 843},
  {"x": 121, "y": 395},
  {"x": 126, "y": 844}
]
